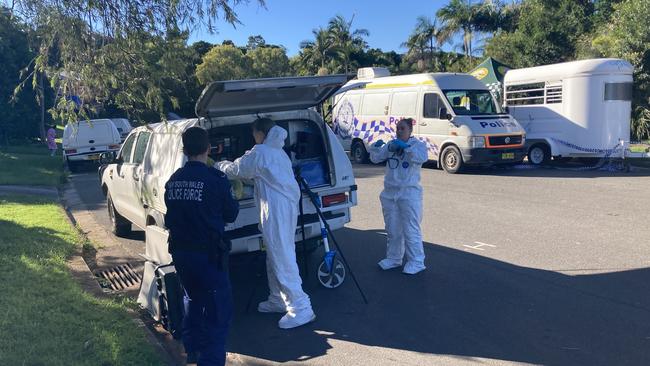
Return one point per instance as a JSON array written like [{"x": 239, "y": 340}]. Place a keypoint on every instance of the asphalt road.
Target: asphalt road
[{"x": 538, "y": 266}]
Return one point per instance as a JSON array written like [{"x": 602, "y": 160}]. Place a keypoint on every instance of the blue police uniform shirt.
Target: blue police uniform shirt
[{"x": 199, "y": 202}]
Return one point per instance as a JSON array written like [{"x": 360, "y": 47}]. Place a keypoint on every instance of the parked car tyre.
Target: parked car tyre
[
  {"x": 119, "y": 225},
  {"x": 539, "y": 154},
  {"x": 359, "y": 153},
  {"x": 73, "y": 166},
  {"x": 452, "y": 160}
]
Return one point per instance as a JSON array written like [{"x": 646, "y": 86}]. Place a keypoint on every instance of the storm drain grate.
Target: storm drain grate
[{"x": 119, "y": 277}]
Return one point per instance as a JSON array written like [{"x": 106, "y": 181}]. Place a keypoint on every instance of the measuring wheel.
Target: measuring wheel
[{"x": 331, "y": 275}]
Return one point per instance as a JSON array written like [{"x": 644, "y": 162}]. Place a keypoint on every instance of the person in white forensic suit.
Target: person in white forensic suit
[
  {"x": 401, "y": 199},
  {"x": 277, "y": 194}
]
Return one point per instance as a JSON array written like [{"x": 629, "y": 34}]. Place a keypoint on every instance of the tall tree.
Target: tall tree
[
  {"x": 316, "y": 53},
  {"x": 255, "y": 42},
  {"x": 88, "y": 44},
  {"x": 547, "y": 32},
  {"x": 268, "y": 62},
  {"x": 426, "y": 34},
  {"x": 345, "y": 40},
  {"x": 626, "y": 35},
  {"x": 224, "y": 62},
  {"x": 20, "y": 113},
  {"x": 459, "y": 17}
]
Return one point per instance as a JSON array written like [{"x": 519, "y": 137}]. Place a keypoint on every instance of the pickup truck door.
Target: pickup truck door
[
  {"x": 132, "y": 175},
  {"x": 115, "y": 177}
]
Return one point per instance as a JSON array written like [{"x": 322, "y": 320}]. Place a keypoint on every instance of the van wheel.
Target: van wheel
[
  {"x": 452, "y": 160},
  {"x": 120, "y": 226},
  {"x": 359, "y": 153},
  {"x": 539, "y": 154}
]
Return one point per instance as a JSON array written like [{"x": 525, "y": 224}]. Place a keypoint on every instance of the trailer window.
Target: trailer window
[
  {"x": 553, "y": 92},
  {"x": 549, "y": 92},
  {"x": 472, "y": 102},
  {"x": 618, "y": 91},
  {"x": 525, "y": 94}
]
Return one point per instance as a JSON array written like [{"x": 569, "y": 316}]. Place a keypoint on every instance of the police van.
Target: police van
[{"x": 455, "y": 115}]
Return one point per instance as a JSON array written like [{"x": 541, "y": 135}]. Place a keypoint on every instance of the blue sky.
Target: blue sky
[{"x": 288, "y": 22}]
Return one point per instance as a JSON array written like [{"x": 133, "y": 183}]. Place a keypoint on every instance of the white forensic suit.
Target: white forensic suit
[
  {"x": 401, "y": 203},
  {"x": 277, "y": 194}
]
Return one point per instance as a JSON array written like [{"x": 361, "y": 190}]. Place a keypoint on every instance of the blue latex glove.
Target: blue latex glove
[
  {"x": 397, "y": 145},
  {"x": 379, "y": 143}
]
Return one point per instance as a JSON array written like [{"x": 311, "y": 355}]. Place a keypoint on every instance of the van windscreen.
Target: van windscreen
[{"x": 472, "y": 102}]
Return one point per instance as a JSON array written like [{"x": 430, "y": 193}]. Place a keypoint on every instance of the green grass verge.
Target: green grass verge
[
  {"x": 30, "y": 165},
  {"x": 45, "y": 317}
]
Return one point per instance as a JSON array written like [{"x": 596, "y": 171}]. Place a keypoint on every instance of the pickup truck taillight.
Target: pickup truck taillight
[
  {"x": 70, "y": 151},
  {"x": 113, "y": 147},
  {"x": 334, "y": 199}
]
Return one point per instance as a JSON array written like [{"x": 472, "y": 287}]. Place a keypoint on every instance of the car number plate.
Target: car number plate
[
  {"x": 94, "y": 157},
  {"x": 507, "y": 156}
]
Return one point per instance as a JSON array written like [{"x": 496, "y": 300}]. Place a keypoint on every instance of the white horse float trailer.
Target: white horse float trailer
[{"x": 572, "y": 109}]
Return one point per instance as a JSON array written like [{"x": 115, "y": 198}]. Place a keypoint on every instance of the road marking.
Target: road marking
[{"x": 479, "y": 246}]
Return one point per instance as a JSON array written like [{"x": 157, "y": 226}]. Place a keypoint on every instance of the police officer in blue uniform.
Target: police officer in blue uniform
[{"x": 199, "y": 203}]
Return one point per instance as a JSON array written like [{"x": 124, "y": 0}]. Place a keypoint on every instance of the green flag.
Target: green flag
[{"x": 491, "y": 73}]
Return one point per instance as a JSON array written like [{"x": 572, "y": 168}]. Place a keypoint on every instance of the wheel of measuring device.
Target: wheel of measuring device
[{"x": 333, "y": 278}]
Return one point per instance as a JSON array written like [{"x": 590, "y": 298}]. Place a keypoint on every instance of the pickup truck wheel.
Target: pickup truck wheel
[
  {"x": 452, "y": 160},
  {"x": 119, "y": 225},
  {"x": 359, "y": 153}
]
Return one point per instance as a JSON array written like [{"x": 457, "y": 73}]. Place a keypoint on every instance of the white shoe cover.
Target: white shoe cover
[
  {"x": 295, "y": 319},
  {"x": 269, "y": 306},
  {"x": 389, "y": 263},
  {"x": 412, "y": 268}
]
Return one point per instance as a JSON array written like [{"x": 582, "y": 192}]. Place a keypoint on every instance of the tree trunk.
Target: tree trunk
[
  {"x": 433, "y": 67},
  {"x": 41, "y": 90}
]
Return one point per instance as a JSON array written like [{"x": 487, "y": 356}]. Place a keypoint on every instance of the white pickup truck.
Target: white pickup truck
[{"x": 134, "y": 183}]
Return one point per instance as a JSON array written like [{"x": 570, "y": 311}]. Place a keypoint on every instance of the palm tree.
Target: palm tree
[
  {"x": 416, "y": 45},
  {"x": 459, "y": 16},
  {"x": 345, "y": 40},
  {"x": 426, "y": 33},
  {"x": 316, "y": 51}
]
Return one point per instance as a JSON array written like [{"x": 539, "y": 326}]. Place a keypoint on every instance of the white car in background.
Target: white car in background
[
  {"x": 85, "y": 141},
  {"x": 123, "y": 127}
]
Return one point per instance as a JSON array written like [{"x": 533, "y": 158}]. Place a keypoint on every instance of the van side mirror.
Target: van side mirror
[{"x": 107, "y": 157}]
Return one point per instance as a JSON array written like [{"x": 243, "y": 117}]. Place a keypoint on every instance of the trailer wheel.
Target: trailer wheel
[
  {"x": 334, "y": 277},
  {"x": 120, "y": 226},
  {"x": 359, "y": 153},
  {"x": 539, "y": 154},
  {"x": 452, "y": 160}
]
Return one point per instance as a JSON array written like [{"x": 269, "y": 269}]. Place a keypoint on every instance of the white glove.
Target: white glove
[{"x": 221, "y": 165}]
